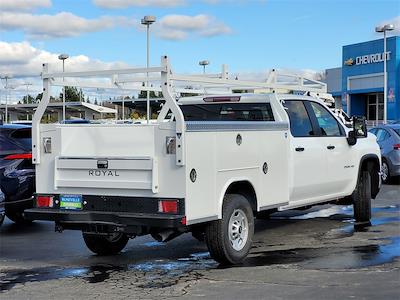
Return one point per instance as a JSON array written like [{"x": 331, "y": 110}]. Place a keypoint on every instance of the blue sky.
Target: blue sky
[{"x": 249, "y": 36}]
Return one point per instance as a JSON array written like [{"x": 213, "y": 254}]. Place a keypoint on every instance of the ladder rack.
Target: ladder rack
[{"x": 171, "y": 85}]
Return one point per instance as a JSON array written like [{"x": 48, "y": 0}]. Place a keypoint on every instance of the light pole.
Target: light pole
[
  {"x": 63, "y": 57},
  {"x": 27, "y": 84},
  {"x": 384, "y": 28},
  {"x": 6, "y": 77},
  {"x": 204, "y": 63},
  {"x": 148, "y": 20}
]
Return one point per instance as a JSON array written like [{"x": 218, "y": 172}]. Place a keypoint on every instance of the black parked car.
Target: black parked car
[
  {"x": 2, "y": 211},
  {"x": 17, "y": 173}
]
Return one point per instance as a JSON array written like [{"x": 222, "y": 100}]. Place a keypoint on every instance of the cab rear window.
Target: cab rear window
[{"x": 228, "y": 112}]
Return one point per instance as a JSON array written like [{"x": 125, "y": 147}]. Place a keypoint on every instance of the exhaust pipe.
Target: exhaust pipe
[{"x": 165, "y": 236}]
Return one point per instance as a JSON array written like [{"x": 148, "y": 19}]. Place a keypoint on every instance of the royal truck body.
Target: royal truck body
[{"x": 209, "y": 165}]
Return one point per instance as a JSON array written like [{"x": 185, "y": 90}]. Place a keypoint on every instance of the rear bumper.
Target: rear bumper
[
  {"x": 19, "y": 205},
  {"x": 79, "y": 219}
]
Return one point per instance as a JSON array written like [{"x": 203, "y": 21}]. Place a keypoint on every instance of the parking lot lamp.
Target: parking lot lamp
[
  {"x": 148, "y": 20},
  {"x": 6, "y": 77},
  {"x": 204, "y": 63},
  {"x": 63, "y": 57},
  {"x": 380, "y": 29}
]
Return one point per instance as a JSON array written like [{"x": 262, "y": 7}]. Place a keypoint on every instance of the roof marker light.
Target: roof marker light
[{"x": 222, "y": 99}]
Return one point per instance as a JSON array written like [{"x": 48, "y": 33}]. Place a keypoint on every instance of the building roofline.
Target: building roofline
[{"x": 360, "y": 43}]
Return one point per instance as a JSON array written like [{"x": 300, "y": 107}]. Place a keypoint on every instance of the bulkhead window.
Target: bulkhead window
[{"x": 228, "y": 112}]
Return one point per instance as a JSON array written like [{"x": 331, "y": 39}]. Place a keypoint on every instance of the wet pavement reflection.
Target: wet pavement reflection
[{"x": 160, "y": 273}]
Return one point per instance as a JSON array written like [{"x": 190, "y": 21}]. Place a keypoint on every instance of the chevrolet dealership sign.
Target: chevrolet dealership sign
[{"x": 368, "y": 59}]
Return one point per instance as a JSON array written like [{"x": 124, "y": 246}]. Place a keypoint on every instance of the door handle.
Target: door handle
[
  {"x": 330, "y": 147},
  {"x": 299, "y": 149}
]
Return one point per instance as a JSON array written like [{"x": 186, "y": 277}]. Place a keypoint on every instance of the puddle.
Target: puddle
[
  {"x": 164, "y": 273},
  {"x": 156, "y": 274},
  {"x": 93, "y": 274},
  {"x": 358, "y": 257},
  {"x": 154, "y": 244},
  {"x": 329, "y": 258}
]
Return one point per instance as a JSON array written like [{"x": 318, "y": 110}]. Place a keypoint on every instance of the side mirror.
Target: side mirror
[
  {"x": 360, "y": 127},
  {"x": 359, "y": 130}
]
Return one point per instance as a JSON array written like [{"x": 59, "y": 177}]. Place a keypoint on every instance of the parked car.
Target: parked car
[
  {"x": 388, "y": 138},
  {"x": 2, "y": 211},
  {"x": 17, "y": 173}
]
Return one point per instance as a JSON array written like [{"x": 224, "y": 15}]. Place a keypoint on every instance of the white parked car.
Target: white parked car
[{"x": 214, "y": 165}]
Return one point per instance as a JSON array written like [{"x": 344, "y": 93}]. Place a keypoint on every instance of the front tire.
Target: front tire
[
  {"x": 105, "y": 244},
  {"x": 229, "y": 239},
  {"x": 362, "y": 199}
]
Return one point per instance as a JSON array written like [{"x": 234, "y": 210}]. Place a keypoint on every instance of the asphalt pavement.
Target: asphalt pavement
[{"x": 311, "y": 254}]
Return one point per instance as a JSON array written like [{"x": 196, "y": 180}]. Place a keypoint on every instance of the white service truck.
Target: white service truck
[{"x": 209, "y": 165}]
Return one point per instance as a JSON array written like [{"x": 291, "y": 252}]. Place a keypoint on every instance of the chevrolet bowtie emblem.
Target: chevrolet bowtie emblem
[{"x": 349, "y": 62}]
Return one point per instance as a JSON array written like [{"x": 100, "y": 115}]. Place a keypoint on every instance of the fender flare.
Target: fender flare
[
  {"x": 225, "y": 189},
  {"x": 375, "y": 178}
]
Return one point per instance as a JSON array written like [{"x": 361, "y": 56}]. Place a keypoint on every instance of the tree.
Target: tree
[
  {"x": 143, "y": 94},
  {"x": 72, "y": 94},
  {"x": 39, "y": 97},
  {"x": 28, "y": 99}
]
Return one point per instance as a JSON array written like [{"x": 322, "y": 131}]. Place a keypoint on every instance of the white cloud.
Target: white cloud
[
  {"x": 18, "y": 5},
  {"x": 23, "y": 63},
  {"x": 114, "y": 4},
  {"x": 396, "y": 22},
  {"x": 63, "y": 24},
  {"x": 22, "y": 59},
  {"x": 185, "y": 22},
  {"x": 179, "y": 27}
]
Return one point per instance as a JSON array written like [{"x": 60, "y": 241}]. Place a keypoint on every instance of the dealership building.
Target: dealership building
[{"x": 357, "y": 85}]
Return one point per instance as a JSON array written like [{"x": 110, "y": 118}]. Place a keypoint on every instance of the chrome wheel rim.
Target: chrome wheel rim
[
  {"x": 238, "y": 229},
  {"x": 385, "y": 171}
]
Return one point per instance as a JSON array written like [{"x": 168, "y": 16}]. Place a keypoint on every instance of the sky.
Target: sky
[{"x": 250, "y": 36}]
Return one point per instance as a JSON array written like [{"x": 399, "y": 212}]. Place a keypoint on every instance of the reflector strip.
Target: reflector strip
[
  {"x": 168, "y": 206},
  {"x": 19, "y": 156},
  {"x": 44, "y": 201}
]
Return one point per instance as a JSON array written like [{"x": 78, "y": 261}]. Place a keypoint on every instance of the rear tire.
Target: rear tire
[
  {"x": 229, "y": 239},
  {"x": 18, "y": 217},
  {"x": 362, "y": 199},
  {"x": 105, "y": 244}
]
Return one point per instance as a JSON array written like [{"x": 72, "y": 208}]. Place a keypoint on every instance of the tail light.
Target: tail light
[
  {"x": 19, "y": 156},
  {"x": 44, "y": 201},
  {"x": 168, "y": 206},
  {"x": 396, "y": 146}
]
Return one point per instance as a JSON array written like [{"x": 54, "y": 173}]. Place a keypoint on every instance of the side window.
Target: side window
[
  {"x": 300, "y": 124},
  {"x": 328, "y": 124},
  {"x": 382, "y": 135}
]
